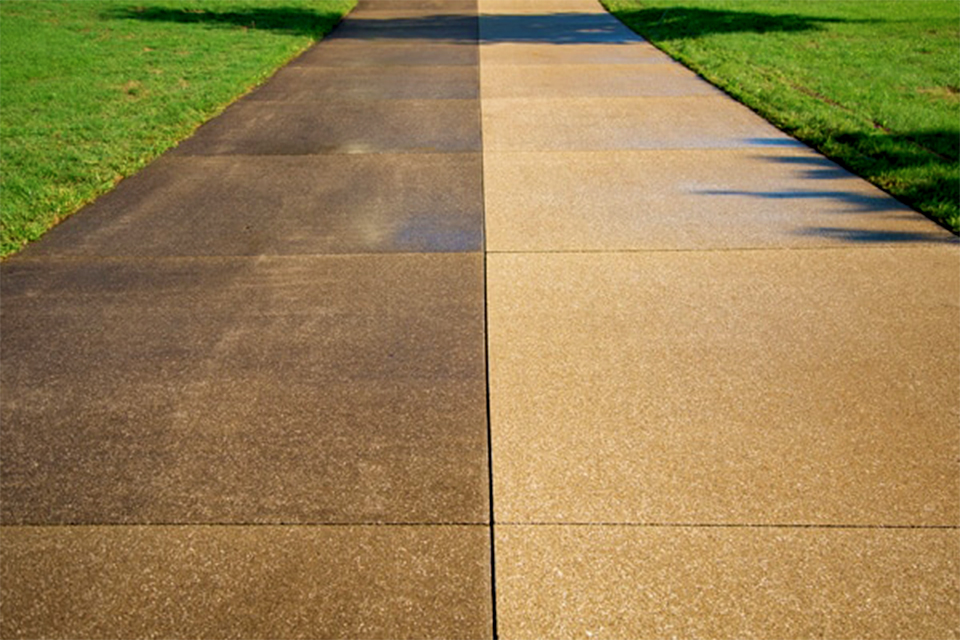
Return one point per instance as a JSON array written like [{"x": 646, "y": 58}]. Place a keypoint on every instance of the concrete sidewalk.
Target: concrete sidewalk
[{"x": 483, "y": 319}]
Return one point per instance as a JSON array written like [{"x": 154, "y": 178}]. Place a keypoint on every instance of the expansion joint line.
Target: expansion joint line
[{"x": 486, "y": 354}]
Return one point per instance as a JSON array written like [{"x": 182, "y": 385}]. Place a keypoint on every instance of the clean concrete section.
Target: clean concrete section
[
  {"x": 251, "y": 392},
  {"x": 601, "y": 123},
  {"x": 697, "y": 582},
  {"x": 571, "y": 81},
  {"x": 524, "y": 53},
  {"x": 755, "y": 387},
  {"x": 550, "y": 10},
  {"x": 669, "y": 199},
  {"x": 724, "y": 386}
]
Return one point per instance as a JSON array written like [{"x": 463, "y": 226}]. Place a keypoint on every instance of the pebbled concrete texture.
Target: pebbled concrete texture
[
  {"x": 799, "y": 387},
  {"x": 433, "y": 6},
  {"x": 676, "y": 122},
  {"x": 308, "y": 83},
  {"x": 398, "y": 52},
  {"x": 245, "y": 582},
  {"x": 560, "y": 28},
  {"x": 483, "y": 319},
  {"x": 261, "y": 128},
  {"x": 526, "y": 53},
  {"x": 284, "y": 205},
  {"x": 669, "y": 199},
  {"x": 696, "y": 582},
  {"x": 311, "y": 390},
  {"x": 723, "y": 372},
  {"x": 407, "y": 25},
  {"x": 574, "y": 81},
  {"x": 244, "y": 394},
  {"x": 543, "y": 8}
]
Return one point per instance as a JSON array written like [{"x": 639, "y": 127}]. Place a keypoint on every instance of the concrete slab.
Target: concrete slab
[
  {"x": 245, "y": 582},
  {"x": 733, "y": 443},
  {"x": 590, "y": 80},
  {"x": 391, "y": 53},
  {"x": 540, "y": 7},
  {"x": 244, "y": 390},
  {"x": 273, "y": 205},
  {"x": 554, "y": 28},
  {"x": 652, "y": 582},
  {"x": 312, "y": 84},
  {"x": 431, "y": 6},
  {"x": 456, "y": 13},
  {"x": 526, "y": 53},
  {"x": 568, "y": 124},
  {"x": 414, "y": 25},
  {"x": 758, "y": 387},
  {"x": 356, "y": 126},
  {"x": 688, "y": 199}
]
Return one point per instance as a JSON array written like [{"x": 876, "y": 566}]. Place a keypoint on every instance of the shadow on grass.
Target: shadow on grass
[
  {"x": 557, "y": 28},
  {"x": 921, "y": 169},
  {"x": 563, "y": 28},
  {"x": 294, "y": 21},
  {"x": 878, "y": 157},
  {"x": 692, "y": 22}
]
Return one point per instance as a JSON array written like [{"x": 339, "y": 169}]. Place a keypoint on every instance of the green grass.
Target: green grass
[
  {"x": 92, "y": 90},
  {"x": 873, "y": 84}
]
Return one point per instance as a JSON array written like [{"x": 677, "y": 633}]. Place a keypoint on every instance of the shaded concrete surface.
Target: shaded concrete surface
[
  {"x": 329, "y": 204},
  {"x": 247, "y": 582},
  {"x": 724, "y": 386},
  {"x": 244, "y": 395},
  {"x": 255, "y": 127},
  {"x": 306, "y": 389},
  {"x": 310, "y": 83}
]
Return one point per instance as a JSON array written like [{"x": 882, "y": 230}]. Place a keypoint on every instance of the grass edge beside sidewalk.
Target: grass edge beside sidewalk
[
  {"x": 93, "y": 91},
  {"x": 873, "y": 86}
]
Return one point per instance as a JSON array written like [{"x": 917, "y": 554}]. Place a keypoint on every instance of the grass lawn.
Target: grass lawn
[
  {"x": 92, "y": 90},
  {"x": 873, "y": 84}
]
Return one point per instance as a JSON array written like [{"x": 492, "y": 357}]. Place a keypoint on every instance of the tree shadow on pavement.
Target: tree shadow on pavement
[
  {"x": 919, "y": 168},
  {"x": 570, "y": 27},
  {"x": 556, "y": 28},
  {"x": 937, "y": 193}
]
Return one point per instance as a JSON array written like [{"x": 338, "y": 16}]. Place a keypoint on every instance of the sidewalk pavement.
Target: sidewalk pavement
[{"x": 483, "y": 319}]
